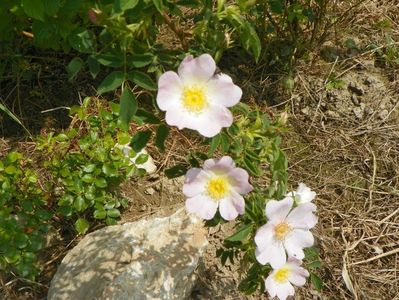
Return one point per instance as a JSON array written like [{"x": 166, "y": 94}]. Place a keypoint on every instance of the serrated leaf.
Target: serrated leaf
[
  {"x": 139, "y": 140},
  {"x": 83, "y": 41},
  {"x": 34, "y": 9},
  {"x": 316, "y": 281},
  {"x": 161, "y": 135},
  {"x": 51, "y": 7},
  {"x": 140, "y": 60},
  {"x": 99, "y": 214},
  {"x": 176, "y": 171},
  {"x": 111, "y": 82},
  {"x": 73, "y": 68},
  {"x": 94, "y": 66},
  {"x": 100, "y": 182},
  {"x": 128, "y": 107},
  {"x": 81, "y": 225},
  {"x": 214, "y": 144},
  {"x": 241, "y": 234},
  {"x": 250, "y": 39},
  {"x": 142, "y": 80},
  {"x": 109, "y": 60},
  {"x": 141, "y": 159}
]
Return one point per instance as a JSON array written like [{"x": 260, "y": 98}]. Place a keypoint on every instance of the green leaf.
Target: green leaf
[
  {"x": 99, "y": 214},
  {"x": 140, "y": 60},
  {"x": 122, "y": 5},
  {"x": 159, "y": 5},
  {"x": 94, "y": 66},
  {"x": 12, "y": 255},
  {"x": 51, "y": 7},
  {"x": 100, "y": 182},
  {"x": 10, "y": 170},
  {"x": 128, "y": 107},
  {"x": 113, "y": 213},
  {"x": 13, "y": 156},
  {"x": 276, "y": 6},
  {"x": 214, "y": 144},
  {"x": 142, "y": 80},
  {"x": 161, "y": 135},
  {"x": 89, "y": 168},
  {"x": 142, "y": 116},
  {"x": 250, "y": 39},
  {"x": 83, "y": 41},
  {"x": 110, "y": 60},
  {"x": 176, "y": 171},
  {"x": 21, "y": 240},
  {"x": 34, "y": 9},
  {"x": 73, "y": 68},
  {"x": 139, "y": 140},
  {"x": 141, "y": 159},
  {"x": 316, "y": 281},
  {"x": 241, "y": 234},
  {"x": 79, "y": 203},
  {"x": 111, "y": 82},
  {"x": 81, "y": 225}
]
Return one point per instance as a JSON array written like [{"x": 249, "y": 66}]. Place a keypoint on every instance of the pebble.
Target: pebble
[
  {"x": 358, "y": 111},
  {"x": 149, "y": 191},
  {"x": 355, "y": 100},
  {"x": 383, "y": 114},
  {"x": 354, "y": 87}
]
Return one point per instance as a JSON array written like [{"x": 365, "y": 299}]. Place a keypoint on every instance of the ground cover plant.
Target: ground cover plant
[{"x": 129, "y": 52}]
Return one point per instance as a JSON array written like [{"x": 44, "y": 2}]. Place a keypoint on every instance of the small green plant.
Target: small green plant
[
  {"x": 334, "y": 83},
  {"x": 87, "y": 165},
  {"x": 24, "y": 216}
]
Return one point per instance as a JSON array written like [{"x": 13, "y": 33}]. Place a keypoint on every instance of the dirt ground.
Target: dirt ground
[{"x": 343, "y": 143}]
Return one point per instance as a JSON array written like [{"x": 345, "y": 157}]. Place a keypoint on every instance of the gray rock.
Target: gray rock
[
  {"x": 148, "y": 259},
  {"x": 355, "y": 100}
]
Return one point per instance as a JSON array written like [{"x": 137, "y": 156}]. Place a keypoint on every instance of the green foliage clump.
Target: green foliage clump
[{"x": 24, "y": 216}]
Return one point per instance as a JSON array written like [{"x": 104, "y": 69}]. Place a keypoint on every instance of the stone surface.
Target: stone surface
[{"x": 148, "y": 259}]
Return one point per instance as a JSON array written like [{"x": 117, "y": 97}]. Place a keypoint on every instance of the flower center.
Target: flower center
[
  {"x": 281, "y": 276},
  {"x": 217, "y": 188},
  {"x": 281, "y": 230},
  {"x": 194, "y": 99}
]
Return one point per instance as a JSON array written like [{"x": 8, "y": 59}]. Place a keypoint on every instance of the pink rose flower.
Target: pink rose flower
[
  {"x": 196, "y": 98},
  {"x": 218, "y": 184}
]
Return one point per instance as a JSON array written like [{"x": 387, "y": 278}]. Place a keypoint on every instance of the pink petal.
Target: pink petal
[
  {"x": 202, "y": 206},
  {"x": 264, "y": 235},
  {"x": 192, "y": 70},
  {"x": 169, "y": 90},
  {"x": 210, "y": 123},
  {"x": 195, "y": 182},
  {"x": 231, "y": 207},
  {"x": 296, "y": 241},
  {"x": 302, "y": 216},
  {"x": 209, "y": 164},
  {"x": 239, "y": 179},
  {"x": 176, "y": 116},
  {"x": 277, "y": 211},
  {"x": 221, "y": 166},
  {"x": 298, "y": 276},
  {"x": 223, "y": 91}
]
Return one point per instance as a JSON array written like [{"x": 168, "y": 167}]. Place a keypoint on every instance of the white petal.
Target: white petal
[
  {"x": 195, "y": 182},
  {"x": 169, "y": 90},
  {"x": 304, "y": 194},
  {"x": 274, "y": 254},
  {"x": 211, "y": 122},
  {"x": 202, "y": 206},
  {"x": 264, "y": 236},
  {"x": 277, "y": 211},
  {"x": 302, "y": 216},
  {"x": 228, "y": 208},
  {"x": 298, "y": 276},
  {"x": 271, "y": 286},
  {"x": 296, "y": 241},
  {"x": 196, "y": 70},
  {"x": 284, "y": 290}
]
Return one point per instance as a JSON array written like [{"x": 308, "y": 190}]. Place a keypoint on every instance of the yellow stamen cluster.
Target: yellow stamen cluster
[
  {"x": 194, "y": 99},
  {"x": 281, "y": 230},
  {"x": 281, "y": 276},
  {"x": 217, "y": 188}
]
